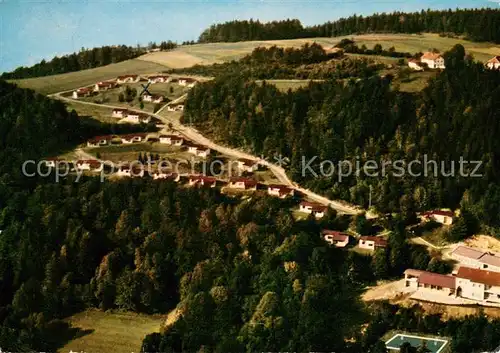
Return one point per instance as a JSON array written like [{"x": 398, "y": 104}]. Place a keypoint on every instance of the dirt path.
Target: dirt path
[{"x": 192, "y": 134}]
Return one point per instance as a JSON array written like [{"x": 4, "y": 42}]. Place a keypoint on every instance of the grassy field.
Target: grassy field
[
  {"x": 186, "y": 56},
  {"x": 285, "y": 85},
  {"x": 62, "y": 82},
  {"x": 111, "y": 332},
  {"x": 100, "y": 113}
]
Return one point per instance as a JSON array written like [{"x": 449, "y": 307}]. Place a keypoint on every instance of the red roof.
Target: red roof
[
  {"x": 91, "y": 162},
  {"x": 379, "y": 241},
  {"x": 436, "y": 279},
  {"x": 131, "y": 136},
  {"x": 315, "y": 207},
  {"x": 105, "y": 84},
  {"x": 495, "y": 60},
  {"x": 203, "y": 179},
  {"x": 248, "y": 182},
  {"x": 282, "y": 189},
  {"x": 247, "y": 162},
  {"x": 84, "y": 90},
  {"x": 336, "y": 235},
  {"x": 431, "y": 56},
  {"x": 479, "y": 276}
]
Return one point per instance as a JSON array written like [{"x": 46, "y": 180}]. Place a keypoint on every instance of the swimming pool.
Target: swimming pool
[{"x": 435, "y": 345}]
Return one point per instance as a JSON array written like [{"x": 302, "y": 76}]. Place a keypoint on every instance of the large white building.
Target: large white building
[
  {"x": 476, "y": 258},
  {"x": 433, "y": 60}
]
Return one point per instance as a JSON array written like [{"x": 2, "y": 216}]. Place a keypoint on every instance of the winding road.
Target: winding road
[{"x": 193, "y": 135}]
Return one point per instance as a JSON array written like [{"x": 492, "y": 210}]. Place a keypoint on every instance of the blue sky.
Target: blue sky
[{"x": 31, "y": 30}]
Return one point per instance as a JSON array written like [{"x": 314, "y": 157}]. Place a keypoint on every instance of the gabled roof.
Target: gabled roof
[
  {"x": 379, "y": 241},
  {"x": 315, "y": 207},
  {"x": 479, "y": 276},
  {"x": 336, "y": 235},
  {"x": 247, "y": 162},
  {"x": 495, "y": 60},
  {"x": 131, "y": 136},
  {"x": 468, "y": 252},
  {"x": 490, "y": 259},
  {"x": 246, "y": 181},
  {"x": 431, "y": 56}
]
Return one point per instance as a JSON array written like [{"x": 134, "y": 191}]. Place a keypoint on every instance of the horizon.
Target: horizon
[{"x": 34, "y": 31}]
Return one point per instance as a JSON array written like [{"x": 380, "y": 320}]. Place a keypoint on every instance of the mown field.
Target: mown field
[
  {"x": 71, "y": 80},
  {"x": 110, "y": 332}
]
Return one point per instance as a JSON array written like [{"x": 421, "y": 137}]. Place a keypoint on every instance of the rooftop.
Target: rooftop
[{"x": 479, "y": 276}]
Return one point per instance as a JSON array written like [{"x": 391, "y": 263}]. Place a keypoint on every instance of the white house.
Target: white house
[
  {"x": 119, "y": 113},
  {"x": 135, "y": 117},
  {"x": 127, "y": 79},
  {"x": 176, "y": 107},
  {"x": 99, "y": 141},
  {"x": 494, "y": 63},
  {"x": 52, "y": 162},
  {"x": 479, "y": 285},
  {"x": 127, "y": 170},
  {"x": 443, "y": 217},
  {"x": 104, "y": 86},
  {"x": 247, "y": 165},
  {"x": 133, "y": 138},
  {"x": 415, "y": 65},
  {"x": 82, "y": 92},
  {"x": 198, "y": 150},
  {"x": 280, "y": 191},
  {"x": 242, "y": 183},
  {"x": 339, "y": 239},
  {"x": 89, "y": 164},
  {"x": 316, "y": 209},
  {"x": 187, "y": 81},
  {"x": 152, "y": 98},
  {"x": 433, "y": 60},
  {"x": 171, "y": 140},
  {"x": 372, "y": 242},
  {"x": 476, "y": 258},
  {"x": 166, "y": 176},
  {"x": 429, "y": 281},
  {"x": 202, "y": 181},
  {"x": 159, "y": 79}
]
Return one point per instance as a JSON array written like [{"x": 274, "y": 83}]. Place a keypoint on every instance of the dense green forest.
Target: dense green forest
[
  {"x": 84, "y": 59},
  {"x": 475, "y": 24},
  {"x": 455, "y": 116}
]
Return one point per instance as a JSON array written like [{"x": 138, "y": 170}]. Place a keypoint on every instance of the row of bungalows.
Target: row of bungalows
[
  {"x": 187, "y": 81},
  {"x": 98, "y": 141},
  {"x": 175, "y": 107},
  {"x": 107, "y": 140},
  {"x": 174, "y": 140},
  {"x": 470, "y": 283},
  {"x": 197, "y": 150},
  {"x": 475, "y": 258},
  {"x": 128, "y": 79},
  {"x": 443, "y": 217}
]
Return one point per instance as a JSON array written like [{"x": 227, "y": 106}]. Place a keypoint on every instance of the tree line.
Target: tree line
[{"x": 475, "y": 24}]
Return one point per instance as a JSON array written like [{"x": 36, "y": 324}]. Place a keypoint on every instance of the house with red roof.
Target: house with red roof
[
  {"x": 433, "y": 60},
  {"x": 336, "y": 238},
  {"x": 82, "y": 92},
  {"x": 247, "y": 165},
  {"x": 104, "y": 86},
  {"x": 159, "y": 79},
  {"x": 201, "y": 180},
  {"x": 280, "y": 191},
  {"x": 476, "y": 284},
  {"x": 119, "y": 113},
  {"x": 174, "y": 140},
  {"x": 372, "y": 242},
  {"x": 424, "y": 280},
  {"x": 197, "y": 150},
  {"x": 89, "y": 165},
  {"x": 494, "y": 63},
  {"x": 175, "y": 107},
  {"x": 415, "y": 64},
  {"x": 443, "y": 217},
  {"x": 242, "y": 184},
  {"x": 187, "y": 81},
  {"x": 314, "y": 208},
  {"x": 127, "y": 79},
  {"x": 133, "y": 138},
  {"x": 152, "y": 98},
  {"x": 130, "y": 170},
  {"x": 99, "y": 141}
]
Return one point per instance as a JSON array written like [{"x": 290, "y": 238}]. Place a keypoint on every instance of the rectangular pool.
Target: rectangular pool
[{"x": 435, "y": 345}]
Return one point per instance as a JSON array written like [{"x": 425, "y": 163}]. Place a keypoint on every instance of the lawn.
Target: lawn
[
  {"x": 186, "y": 56},
  {"x": 99, "y": 113},
  {"x": 111, "y": 332},
  {"x": 285, "y": 85},
  {"x": 71, "y": 80}
]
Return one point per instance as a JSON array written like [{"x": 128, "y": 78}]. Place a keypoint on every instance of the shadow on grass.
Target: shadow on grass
[{"x": 60, "y": 333}]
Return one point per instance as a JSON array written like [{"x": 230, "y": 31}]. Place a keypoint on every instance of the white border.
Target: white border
[{"x": 420, "y": 337}]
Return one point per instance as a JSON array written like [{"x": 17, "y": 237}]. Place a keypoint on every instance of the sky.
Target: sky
[{"x": 32, "y": 30}]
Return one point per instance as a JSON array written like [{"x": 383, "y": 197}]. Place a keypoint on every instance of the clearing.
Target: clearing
[
  {"x": 111, "y": 331},
  {"x": 73, "y": 80},
  {"x": 99, "y": 113}
]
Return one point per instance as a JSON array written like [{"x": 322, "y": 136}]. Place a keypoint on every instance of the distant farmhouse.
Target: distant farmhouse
[{"x": 494, "y": 63}]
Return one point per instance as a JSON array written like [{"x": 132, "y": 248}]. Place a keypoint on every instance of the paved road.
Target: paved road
[{"x": 192, "y": 134}]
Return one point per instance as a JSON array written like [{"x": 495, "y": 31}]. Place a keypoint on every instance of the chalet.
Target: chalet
[
  {"x": 119, "y": 113},
  {"x": 99, "y": 141},
  {"x": 318, "y": 210},
  {"x": 433, "y": 60},
  {"x": 52, "y": 162},
  {"x": 202, "y": 181},
  {"x": 82, "y": 92},
  {"x": 372, "y": 243},
  {"x": 133, "y": 138},
  {"x": 159, "y": 79},
  {"x": 127, "y": 79},
  {"x": 247, "y": 165},
  {"x": 175, "y": 107},
  {"x": 198, "y": 150},
  {"x": 476, "y": 258},
  {"x": 479, "y": 285},
  {"x": 339, "y": 239},
  {"x": 104, "y": 86},
  {"x": 166, "y": 176},
  {"x": 443, "y": 217},
  {"x": 136, "y": 117},
  {"x": 242, "y": 184},
  {"x": 152, "y": 98},
  {"x": 89, "y": 164},
  {"x": 129, "y": 170},
  {"x": 171, "y": 140},
  {"x": 418, "y": 280},
  {"x": 187, "y": 81},
  {"x": 415, "y": 65},
  {"x": 494, "y": 63},
  {"x": 280, "y": 191}
]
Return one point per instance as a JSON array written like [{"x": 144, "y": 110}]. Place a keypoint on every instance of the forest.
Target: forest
[
  {"x": 474, "y": 24},
  {"x": 369, "y": 119}
]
